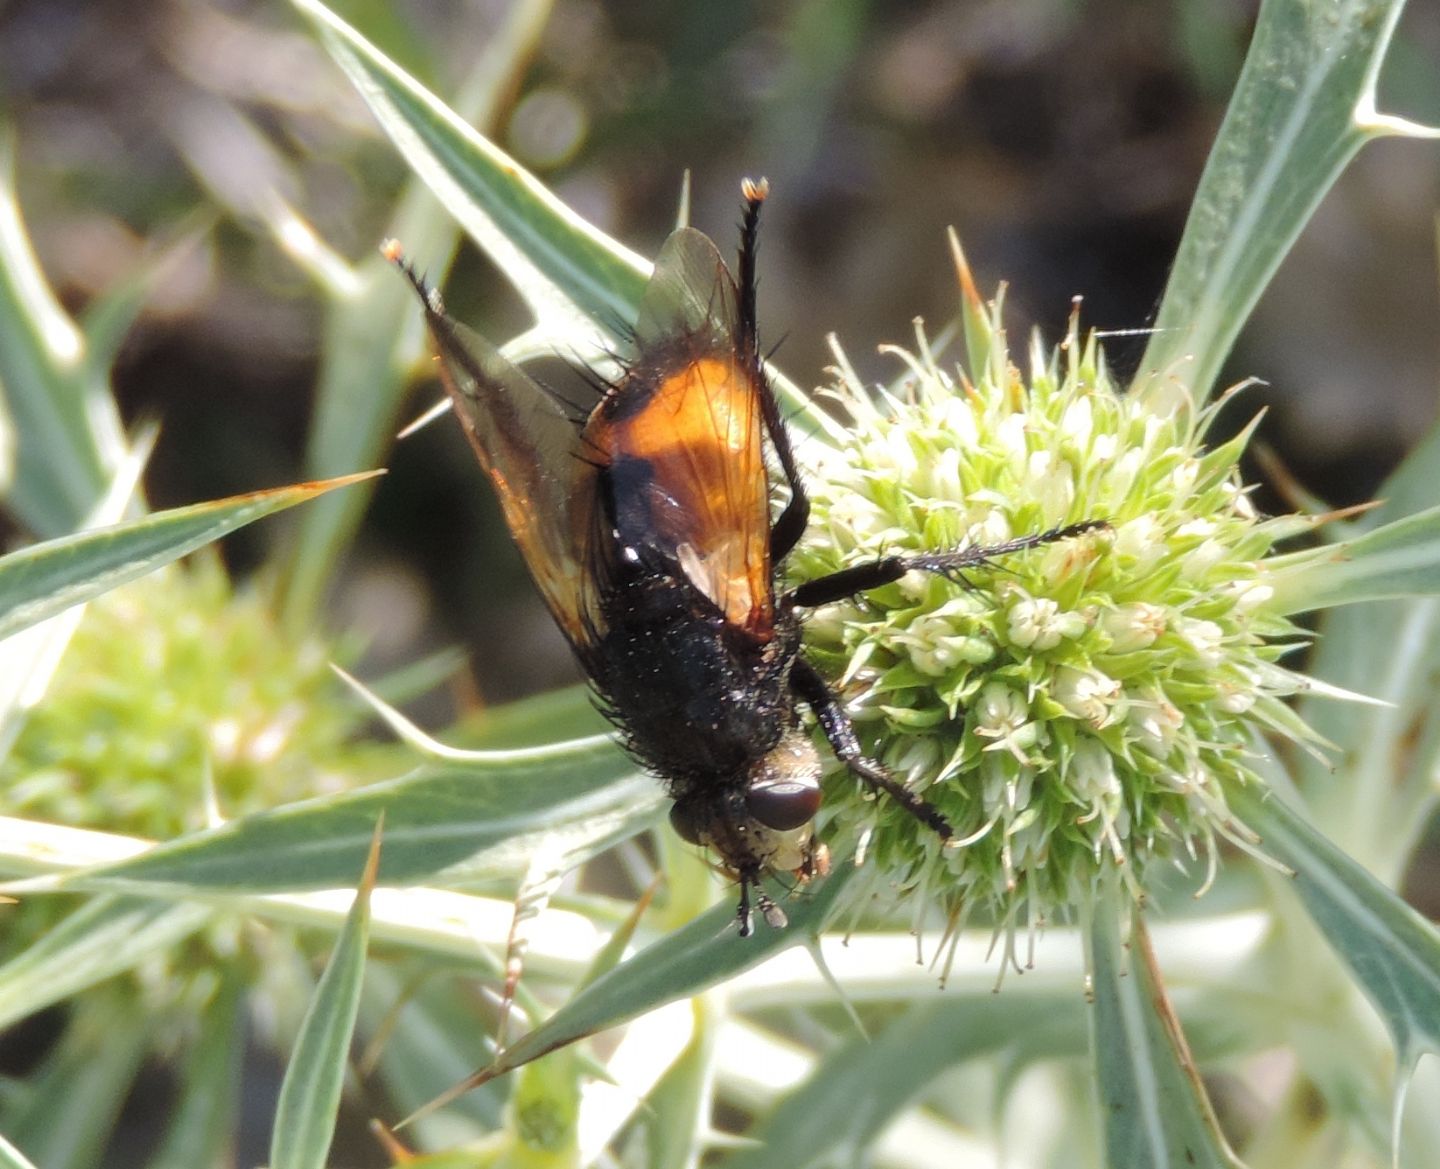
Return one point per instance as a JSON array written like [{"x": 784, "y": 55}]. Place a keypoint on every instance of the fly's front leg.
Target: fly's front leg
[
  {"x": 816, "y": 694},
  {"x": 811, "y": 689},
  {"x": 860, "y": 578},
  {"x": 774, "y": 916},
  {"x": 743, "y": 912}
]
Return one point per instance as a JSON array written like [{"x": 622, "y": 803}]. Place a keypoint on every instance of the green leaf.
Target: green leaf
[
  {"x": 67, "y": 435},
  {"x": 1399, "y": 559},
  {"x": 581, "y": 285},
  {"x": 372, "y": 335},
  {"x": 1375, "y": 806},
  {"x": 569, "y": 273},
  {"x": 686, "y": 961},
  {"x": 1302, "y": 108},
  {"x": 65, "y": 1119},
  {"x": 854, "y": 1095},
  {"x": 210, "y": 1079},
  {"x": 100, "y": 939},
  {"x": 310, "y": 1092},
  {"x": 29, "y": 659},
  {"x": 45, "y": 579},
  {"x": 1393, "y": 952},
  {"x": 1155, "y": 1112},
  {"x": 1413, "y": 487},
  {"x": 443, "y": 823}
]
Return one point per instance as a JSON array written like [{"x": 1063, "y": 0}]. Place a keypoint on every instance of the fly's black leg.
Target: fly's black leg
[
  {"x": 813, "y": 691},
  {"x": 861, "y": 577},
  {"x": 794, "y": 518},
  {"x": 743, "y": 913},
  {"x": 811, "y": 688},
  {"x": 774, "y": 916},
  {"x": 790, "y": 524}
]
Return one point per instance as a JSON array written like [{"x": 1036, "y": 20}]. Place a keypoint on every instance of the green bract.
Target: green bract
[{"x": 1085, "y": 704}]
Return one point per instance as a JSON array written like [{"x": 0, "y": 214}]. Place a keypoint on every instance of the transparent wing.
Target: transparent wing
[
  {"x": 530, "y": 449},
  {"x": 689, "y": 295}
]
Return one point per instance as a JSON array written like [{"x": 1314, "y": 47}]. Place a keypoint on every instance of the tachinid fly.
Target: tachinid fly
[{"x": 647, "y": 526}]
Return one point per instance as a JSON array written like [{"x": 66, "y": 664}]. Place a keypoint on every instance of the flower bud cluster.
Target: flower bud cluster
[{"x": 1084, "y": 704}]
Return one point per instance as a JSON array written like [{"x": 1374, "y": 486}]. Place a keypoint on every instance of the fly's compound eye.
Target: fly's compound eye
[
  {"x": 684, "y": 824},
  {"x": 783, "y": 804}
]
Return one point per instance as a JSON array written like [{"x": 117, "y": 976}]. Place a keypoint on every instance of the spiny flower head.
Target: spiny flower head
[
  {"x": 1084, "y": 704},
  {"x": 173, "y": 688}
]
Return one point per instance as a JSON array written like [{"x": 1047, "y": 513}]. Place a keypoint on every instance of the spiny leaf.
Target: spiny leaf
[
  {"x": 44, "y": 579},
  {"x": 310, "y": 1092},
  {"x": 1153, "y": 1106},
  {"x": 1303, "y": 106}
]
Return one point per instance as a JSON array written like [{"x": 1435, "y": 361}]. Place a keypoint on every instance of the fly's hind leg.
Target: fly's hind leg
[{"x": 816, "y": 694}]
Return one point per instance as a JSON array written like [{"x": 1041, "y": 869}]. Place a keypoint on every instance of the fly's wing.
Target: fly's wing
[
  {"x": 681, "y": 438},
  {"x": 690, "y": 295},
  {"x": 529, "y": 448}
]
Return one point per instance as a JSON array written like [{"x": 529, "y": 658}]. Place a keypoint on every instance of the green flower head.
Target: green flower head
[{"x": 1082, "y": 705}]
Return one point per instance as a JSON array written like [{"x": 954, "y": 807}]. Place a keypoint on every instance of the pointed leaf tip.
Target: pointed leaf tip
[
  {"x": 372, "y": 859},
  {"x": 310, "y": 1092},
  {"x": 963, "y": 273},
  {"x": 44, "y": 579}
]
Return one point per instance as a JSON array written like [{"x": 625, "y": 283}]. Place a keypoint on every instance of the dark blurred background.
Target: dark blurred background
[{"x": 1062, "y": 138}]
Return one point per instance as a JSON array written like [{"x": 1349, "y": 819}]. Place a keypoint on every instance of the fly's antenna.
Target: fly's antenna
[
  {"x": 429, "y": 296},
  {"x": 754, "y": 192}
]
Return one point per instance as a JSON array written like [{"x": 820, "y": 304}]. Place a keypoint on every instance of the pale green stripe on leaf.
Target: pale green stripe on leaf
[
  {"x": 11, "y": 1157},
  {"x": 1399, "y": 559},
  {"x": 1302, "y": 108},
  {"x": 1154, "y": 1109},
  {"x": 444, "y": 824},
  {"x": 570, "y": 274},
  {"x": 310, "y": 1092},
  {"x": 45, "y": 579}
]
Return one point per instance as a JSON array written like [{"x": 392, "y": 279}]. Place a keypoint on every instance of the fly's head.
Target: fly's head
[{"x": 765, "y": 823}]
